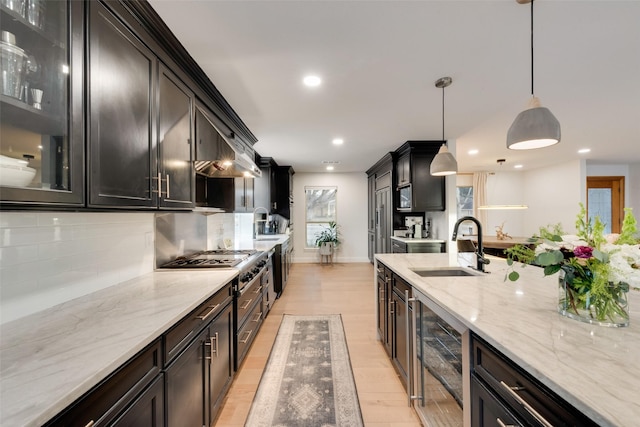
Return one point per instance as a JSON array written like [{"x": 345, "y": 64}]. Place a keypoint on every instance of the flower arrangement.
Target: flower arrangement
[{"x": 596, "y": 270}]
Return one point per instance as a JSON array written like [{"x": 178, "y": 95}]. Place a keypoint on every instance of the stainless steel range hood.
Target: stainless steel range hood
[{"x": 218, "y": 154}]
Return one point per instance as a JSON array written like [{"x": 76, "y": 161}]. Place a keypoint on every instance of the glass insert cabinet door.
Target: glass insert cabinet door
[{"x": 41, "y": 155}]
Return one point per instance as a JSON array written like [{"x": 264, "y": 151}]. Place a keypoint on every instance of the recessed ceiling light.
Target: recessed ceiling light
[
  {"x": 473, "y": 152},
  {"x": 517, "y": 166},
  {"x": 329, "y": 168},
  {"x": 338, "y": 141},
  {"x": 312, "y": 81},
  {"x": 584, "y": 150}
]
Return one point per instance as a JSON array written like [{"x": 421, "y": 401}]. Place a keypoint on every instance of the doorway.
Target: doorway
[{"x": 605, "y": 198}]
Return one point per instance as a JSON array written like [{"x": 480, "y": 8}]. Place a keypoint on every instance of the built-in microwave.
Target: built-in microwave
[{"x": 404, "y": 197}]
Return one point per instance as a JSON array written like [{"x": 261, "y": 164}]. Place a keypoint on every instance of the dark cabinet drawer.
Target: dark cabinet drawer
[
  {"x": 398, "y": 247},
  {"x": 107, "y": 401},
  {"x": 248, "y": 331},
  {"x": 521, "y": 392},
  {"x": 247, "y": 297},
  {"x": 400, "y": 286},
  {"x": 181, "y": 334},
  {"x": 487, "y": 410}
]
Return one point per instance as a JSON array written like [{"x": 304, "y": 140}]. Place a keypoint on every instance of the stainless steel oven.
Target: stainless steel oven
[{"x": 439, "y": 383}]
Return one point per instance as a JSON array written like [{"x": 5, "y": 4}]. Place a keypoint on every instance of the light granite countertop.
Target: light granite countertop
[
  {"x": 49, "y": 359},
  {"x": 592, "y": 367}
]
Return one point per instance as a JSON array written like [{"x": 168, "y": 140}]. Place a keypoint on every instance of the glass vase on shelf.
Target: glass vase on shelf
[{"x": 603, "y": 305}]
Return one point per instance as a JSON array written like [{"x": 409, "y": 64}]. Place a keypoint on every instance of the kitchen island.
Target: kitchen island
[{"x": 593, "y": 368}]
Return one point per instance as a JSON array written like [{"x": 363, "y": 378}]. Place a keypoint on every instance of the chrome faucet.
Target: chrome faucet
[
  {"x": 256, "y": 221},
  {"x": 480, "y": 259}
]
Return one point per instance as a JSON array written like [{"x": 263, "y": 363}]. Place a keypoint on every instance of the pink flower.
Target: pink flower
[{"x": 583, "y": 252}]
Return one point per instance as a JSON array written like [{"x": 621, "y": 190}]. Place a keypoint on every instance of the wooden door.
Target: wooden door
[{"x": 605, "y": 198}]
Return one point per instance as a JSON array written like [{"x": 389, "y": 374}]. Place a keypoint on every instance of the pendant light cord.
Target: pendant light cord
[
  {"x": 532, "y": 48},
  {"x": 443, "y": 113}
]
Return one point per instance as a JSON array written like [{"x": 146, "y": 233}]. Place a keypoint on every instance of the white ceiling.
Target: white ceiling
[{"x": 379, "y": 61}]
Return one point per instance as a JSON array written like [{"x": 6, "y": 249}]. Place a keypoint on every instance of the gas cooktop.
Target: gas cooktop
[{"x": 219, "y": 258}]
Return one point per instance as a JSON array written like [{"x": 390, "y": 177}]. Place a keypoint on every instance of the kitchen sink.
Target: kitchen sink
[{"x": 444, "y": 272}]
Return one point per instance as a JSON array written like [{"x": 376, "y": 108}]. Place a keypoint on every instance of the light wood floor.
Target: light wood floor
[{"x": 345, "y": 289}]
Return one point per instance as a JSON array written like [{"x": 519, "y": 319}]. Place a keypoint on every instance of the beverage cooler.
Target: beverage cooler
[{"x": 439, "y": 377}]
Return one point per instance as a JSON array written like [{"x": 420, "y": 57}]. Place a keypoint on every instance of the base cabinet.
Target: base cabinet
[
  {"x": 385, "y": 306},
  {"x": 401, "y": 330},
  {"x": 198, "y": 377},
  {"x": 148, "y": 408},
  {"x": 487, "y": 409},
  {"x": 133, "y": 392},
  {"x": 504, "y": 390}
]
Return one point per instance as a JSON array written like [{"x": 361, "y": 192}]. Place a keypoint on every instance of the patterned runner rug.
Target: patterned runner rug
[{"x": 308, "y": 380}]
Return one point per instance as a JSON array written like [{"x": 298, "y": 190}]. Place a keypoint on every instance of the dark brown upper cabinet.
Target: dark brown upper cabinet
[
  {"x": 427, "y": 192},
  {"x": 140, "y": 125},
  {"x": 176, "y": 150},
  {"x": 41, "y": 104}
]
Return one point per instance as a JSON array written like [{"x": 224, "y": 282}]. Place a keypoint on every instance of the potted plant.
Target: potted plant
[{"x": 328, "y": 239}]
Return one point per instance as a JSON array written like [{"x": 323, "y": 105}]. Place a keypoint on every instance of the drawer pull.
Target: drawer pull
[
  {"x": 502, "y": 424},
  {"x": 214, "y": 349},
  {"x": 246, "y": 304},
  {"x": 209, "y": 313},
  {"x": 533, "y": 412},
  {"x": 90, "y": 424},
  {"x": 244, "y": 341},
  {"x": 258, "y": 290},
  {"x": 257, "y": 317}
]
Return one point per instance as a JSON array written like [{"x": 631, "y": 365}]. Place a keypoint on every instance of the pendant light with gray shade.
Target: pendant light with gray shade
[
  {"x": 535, "y": 127},
  {"x": 443, "y": 163}
]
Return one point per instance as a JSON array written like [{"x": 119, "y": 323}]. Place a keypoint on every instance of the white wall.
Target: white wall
[
  {"x": 633, "y": 187},
  {"x": 553, "y": 195},
  {"x": 47, "y": 258},
  {"x": 506, "y": 188},
  {"x": 351, "y": 209}
]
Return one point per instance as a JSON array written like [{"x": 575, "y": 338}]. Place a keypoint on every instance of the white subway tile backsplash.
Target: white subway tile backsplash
[{"x": 50, "y": 257}]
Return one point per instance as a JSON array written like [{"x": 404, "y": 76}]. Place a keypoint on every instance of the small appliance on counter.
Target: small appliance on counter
[{"x": 414, "y": 226}]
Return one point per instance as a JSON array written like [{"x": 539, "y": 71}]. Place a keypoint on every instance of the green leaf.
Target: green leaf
[
  {"x": 556, "y": 238},
  {"x": 513, "y": 276},
  {"x": 509, "y": 262},
  {"x": 551, "y": 269},
  {"x": 601, "y": 256},
  {"x": 549, "y": 258}
]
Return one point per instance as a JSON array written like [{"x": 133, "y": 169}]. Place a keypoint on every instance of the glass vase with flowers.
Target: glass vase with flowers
[{"x": 596, "y": 271}]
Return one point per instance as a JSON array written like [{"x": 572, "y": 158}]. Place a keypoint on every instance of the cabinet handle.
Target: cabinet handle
[
  {"x": 257, "y": 317},
  {"x": 168, "y": 186},
  {"x": 408, "y": 353},
  {"x": 244, "y": 341},
  {"x": 209, "y": 313},
  {"x": 258, "y": 290},
  {"x": 381, "y": 294},
  {"x": 524, "y": 403},
  {"x": 502, "y": 424},
  {"x": 246, "y": 304},
  {"x": 90, "y": 423},
  {"x": 391, "y": 304},
  {"x": 214, "y": 350}
]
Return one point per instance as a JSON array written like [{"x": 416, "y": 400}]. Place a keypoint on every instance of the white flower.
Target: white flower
[
  {"x": 569, "y": 242},
  {"x": 612, "y": 238},
  {"x": 622, "y": 259}
]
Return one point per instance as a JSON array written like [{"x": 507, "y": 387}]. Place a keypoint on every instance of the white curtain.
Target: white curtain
[{"x": 480, "y": 197}]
